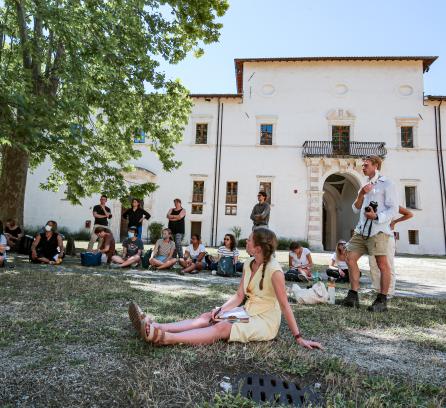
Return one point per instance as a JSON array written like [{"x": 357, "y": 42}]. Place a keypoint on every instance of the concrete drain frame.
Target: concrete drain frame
[{"x": 263, "y": 388}]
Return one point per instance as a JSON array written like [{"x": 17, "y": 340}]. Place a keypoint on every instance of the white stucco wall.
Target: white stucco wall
[{"x": 374, "y": 99}]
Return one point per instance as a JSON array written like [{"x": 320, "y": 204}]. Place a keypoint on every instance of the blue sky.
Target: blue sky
[{"x": 297, "y": 28}]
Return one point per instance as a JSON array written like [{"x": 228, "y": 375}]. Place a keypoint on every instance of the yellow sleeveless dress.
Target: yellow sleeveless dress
[{"x": 262, "y": 306}]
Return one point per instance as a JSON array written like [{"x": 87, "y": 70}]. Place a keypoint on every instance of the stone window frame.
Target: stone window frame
[
  {"x": 200, "y": 119},
  {"x": 411, "y": 183},
  {"x": 340, "y": 117},
  {"x": 266, "y": 120},
  {"x": 407, "y": 121},
  {"x": 267, "y": 179}
]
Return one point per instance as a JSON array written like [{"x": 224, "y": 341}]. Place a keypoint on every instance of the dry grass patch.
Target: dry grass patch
[{"x": 65, "y": 340}]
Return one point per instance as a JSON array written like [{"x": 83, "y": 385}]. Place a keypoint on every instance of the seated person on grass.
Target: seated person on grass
[
  {"x": 300, "y": 260},
  {"x": 47, "y": 247},
  {"x": 132, "y": 249},
  {"x": 338, "y": 268},
  {"x": 13, "y": 233},
  {"x": 263, "y": 287},
  {"x": 3, "y": 246},
  {"x": 193, "y": 261},
  {"x": 162, "y": 255},
  {"x": 229, "y": 249},
  {"x": 108, "y": 246}
]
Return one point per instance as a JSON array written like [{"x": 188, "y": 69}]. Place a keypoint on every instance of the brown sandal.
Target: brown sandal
[
  {"x": 136, "y": 315},
  {"x": 151, "y": 334}
]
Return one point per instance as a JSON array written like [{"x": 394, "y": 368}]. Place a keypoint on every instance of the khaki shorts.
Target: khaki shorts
[{"x": 373, "y": 246}]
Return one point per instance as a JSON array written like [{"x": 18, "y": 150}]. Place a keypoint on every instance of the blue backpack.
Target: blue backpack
[
  {"x": 91, "y": 258},
  {"x": 226, "y": 266}
]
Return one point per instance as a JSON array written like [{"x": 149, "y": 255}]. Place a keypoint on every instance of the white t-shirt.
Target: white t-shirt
[
  {"x": 3, "y": 242},
  {"x": 223, "y": 251},
  {"x": 302, "y": 261},
  {"x": 340, "y": 264},
  {"x": 195, "y": 252}
]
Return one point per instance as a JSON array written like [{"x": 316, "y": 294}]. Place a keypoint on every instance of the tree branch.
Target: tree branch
[{"x": 23, "y": 34}]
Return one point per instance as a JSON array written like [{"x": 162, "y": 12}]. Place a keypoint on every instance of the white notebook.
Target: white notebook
[{"x": 238, "y": 314}]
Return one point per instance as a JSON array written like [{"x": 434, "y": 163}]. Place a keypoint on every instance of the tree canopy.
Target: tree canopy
[{"x": 80, "y": 78}]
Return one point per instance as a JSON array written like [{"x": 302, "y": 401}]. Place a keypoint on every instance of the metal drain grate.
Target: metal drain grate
[{"x": 266, "y": 388}]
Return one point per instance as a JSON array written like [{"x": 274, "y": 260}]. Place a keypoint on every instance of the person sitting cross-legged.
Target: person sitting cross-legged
[
  {"x": 13, "y": 234},
  {"x": 47, "y": 247},
  {"x": 338, "y": 268},
  {"x": 263, "y": 287},
  {"x": 300, "y": 260},
  {"x": 132, "y": 249},
  {"x": 162, "y": 254},
  {"x": 194, "y": 261},
  {"x": 228, "y": 250},
  {"x": 108, "y": 246}
]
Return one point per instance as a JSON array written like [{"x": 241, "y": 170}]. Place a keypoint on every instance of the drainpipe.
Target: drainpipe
[
  {"x": 215, "y": 203},
  {"x": 440, "y": 162},
  {"x": 218, "y": 178}
]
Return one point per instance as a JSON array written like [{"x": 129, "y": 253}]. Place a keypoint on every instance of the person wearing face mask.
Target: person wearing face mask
[
  {"x": 47, "y": 247},
  {"x": 132, "y": 249},
  {"x": 162, "y": 255}
]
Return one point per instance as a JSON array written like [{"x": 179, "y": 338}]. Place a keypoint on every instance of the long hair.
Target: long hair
[
  {"x": 338, "y": 251},
  {"x": 267, "y": 241},
  {"x": 231, "y": 240},
  {"x": 138, "y": 201}
]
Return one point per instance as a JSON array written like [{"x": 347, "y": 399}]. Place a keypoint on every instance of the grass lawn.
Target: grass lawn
[{"x": 65, "y": 340}]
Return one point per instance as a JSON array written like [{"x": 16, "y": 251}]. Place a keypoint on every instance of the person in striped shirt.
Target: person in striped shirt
[{"x": 228, "y": 249}]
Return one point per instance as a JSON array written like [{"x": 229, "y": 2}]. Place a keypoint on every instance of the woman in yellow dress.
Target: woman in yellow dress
[{"x": 263, "y": 285}]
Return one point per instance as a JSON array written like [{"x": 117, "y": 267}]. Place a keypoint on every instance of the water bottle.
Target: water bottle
[
  {"x": 316, "y": 277},
  {"x": 331, "y": 291}
]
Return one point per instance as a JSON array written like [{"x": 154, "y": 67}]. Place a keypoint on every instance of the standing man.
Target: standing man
[
  {"x": 101, "y": 214},
  {"x": 375, "y": 274},
  {"x": 176, "y": 225},
  {"x": 377, "y": 204},
  {"x": 260, "y": 212}
]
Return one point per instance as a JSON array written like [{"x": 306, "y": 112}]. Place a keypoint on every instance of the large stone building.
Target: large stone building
[{"x": 297, "y": 128}]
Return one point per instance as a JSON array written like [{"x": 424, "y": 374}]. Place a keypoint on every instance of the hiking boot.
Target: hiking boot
[
  {"x": 351, "y": 300},
  {"x": 379, "y": 305}
]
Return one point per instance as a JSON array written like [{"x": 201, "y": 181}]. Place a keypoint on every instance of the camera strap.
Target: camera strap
[{"x": 370, "y": 222}]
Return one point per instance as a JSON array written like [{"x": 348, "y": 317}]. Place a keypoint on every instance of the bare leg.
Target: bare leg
[
  {"x": 190, "y": 268},
  {"x": 133, "y": 259},
  {"x": 169, "y": 263},
  {"x": 352, "y": 262},
  {"x": 183, "y": 263},
  {"x": 386, "y": 273},
  {"x": 185, "y": 325},
  {"x": 117, "y": 259},
  {"x": 206, "y": 335},
  {"x": 155, "y": 262},
  {"x": 2, "y": 260},
  {"x": 43, "y": 260}
]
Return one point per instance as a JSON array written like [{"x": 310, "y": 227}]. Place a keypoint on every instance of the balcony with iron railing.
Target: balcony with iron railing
[{"x": 323, "y": 148}]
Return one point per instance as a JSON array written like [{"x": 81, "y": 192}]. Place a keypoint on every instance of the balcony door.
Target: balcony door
[{"x": 340, "y": 137}]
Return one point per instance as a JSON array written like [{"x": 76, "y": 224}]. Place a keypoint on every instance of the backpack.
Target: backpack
[
  {"x": 292, "y": 275},
  {"x": 91, "y": 258},
  {"x": 25, "y": 245},
  {"x": 145, "y": 259},
  {"x": 226, "y": 266}
]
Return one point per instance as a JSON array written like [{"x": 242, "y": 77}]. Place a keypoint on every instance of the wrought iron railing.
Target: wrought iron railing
[{"x": 315, "y": 148}]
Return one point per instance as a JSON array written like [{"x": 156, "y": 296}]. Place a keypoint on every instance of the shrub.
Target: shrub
[
  {"x": 80, "y": 235},
  {"x": 155, "y": 229},
  {"x": 241, "y": 243},
  {"x": 284, "y": 243},
  {"x": 237, "y": 231}
]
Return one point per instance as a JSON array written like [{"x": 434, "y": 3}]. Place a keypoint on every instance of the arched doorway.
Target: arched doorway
[{"x": 338, "y": 220}]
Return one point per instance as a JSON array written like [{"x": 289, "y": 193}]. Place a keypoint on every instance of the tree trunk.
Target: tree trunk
[{"x": 14, "y": 171}]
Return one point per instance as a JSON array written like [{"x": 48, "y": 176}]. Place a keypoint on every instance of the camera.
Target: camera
[{"x": 373, "y": 206}]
